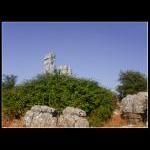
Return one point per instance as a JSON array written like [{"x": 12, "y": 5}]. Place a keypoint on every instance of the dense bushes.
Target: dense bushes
[{"x": 59, "y": 91}]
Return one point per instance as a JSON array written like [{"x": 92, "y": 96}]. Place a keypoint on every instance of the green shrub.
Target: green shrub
[
  {"x": 103, "y": 111},
  {"x": 60, "y": 91}
]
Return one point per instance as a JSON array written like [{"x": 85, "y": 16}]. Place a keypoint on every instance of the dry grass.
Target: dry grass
[
  {"x": 12, "y": 123},
  {"x": 116, "y": 121}
]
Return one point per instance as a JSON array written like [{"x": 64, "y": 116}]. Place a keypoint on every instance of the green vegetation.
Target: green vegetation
[
  {"x": 9, "y": 81},
  {"x": 59, "y": 91},
  {"x": 132, "y": 82}
]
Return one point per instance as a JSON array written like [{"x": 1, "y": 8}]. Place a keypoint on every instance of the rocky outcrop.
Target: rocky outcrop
[
  {"x": 134, "y": 107},
  {"x": 74, "y": 112},
  {"x": 40, "y": 116},
  {"x": 73, "y": 117},
  {"x": 44, "y": 116}
]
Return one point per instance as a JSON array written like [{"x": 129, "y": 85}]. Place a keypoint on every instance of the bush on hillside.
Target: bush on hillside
[{"x": 60, "y": 91}]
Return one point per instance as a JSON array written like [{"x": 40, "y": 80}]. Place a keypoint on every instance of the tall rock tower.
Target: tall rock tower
[
  {"x": 65, "y": 69},
  {"x": 49, "y": 65}
]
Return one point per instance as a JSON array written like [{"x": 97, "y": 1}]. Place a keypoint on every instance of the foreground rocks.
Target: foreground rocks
[
  {"x": 40, "y": 116},
  {"x": 73, "y": 117},
  {"x": 44, "y": 116},
  {"x": 134, "y": 108}
]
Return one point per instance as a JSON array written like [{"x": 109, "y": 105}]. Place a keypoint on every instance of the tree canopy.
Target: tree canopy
[
  {"x": 9, "y": 81},
  {"x": 131, "y": 82}
]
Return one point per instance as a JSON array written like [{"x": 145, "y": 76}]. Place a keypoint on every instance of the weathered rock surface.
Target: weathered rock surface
[
  {"x": 73, "y": 117},
  {"x": 74, "y": 112},
  {"x": 44, "y": 116},
  {"x": 40, "y": 116},
  {"x": 134, "y": 107}
]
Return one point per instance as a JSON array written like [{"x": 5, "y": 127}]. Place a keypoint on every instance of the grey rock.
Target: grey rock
[
  {"x": 47, "y": 109},
  {"x": 40, "y": 116},
  {"x": 28, "y": 118},
  {"x": 43, "y": 116},
  {"x": 72, "y": 121},
  {"x": 136, "y": 103},
  {"x": 82, "y": 122},
  {"x": 36, "y": 108},
  {"x": 66, "y": 121},
  {"x": 134, "y": 106},
  {"x": 49, "y": 66},
  {"x": 74, "y": 111},
  {"x": 73, "y": 117},
  {"x": 65, "y": 69}
]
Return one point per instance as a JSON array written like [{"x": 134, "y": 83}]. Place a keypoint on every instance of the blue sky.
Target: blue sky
[{"x": 95, "y": 50}]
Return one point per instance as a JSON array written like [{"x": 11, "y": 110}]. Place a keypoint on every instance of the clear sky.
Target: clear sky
[{"x": 95, "y": 50}]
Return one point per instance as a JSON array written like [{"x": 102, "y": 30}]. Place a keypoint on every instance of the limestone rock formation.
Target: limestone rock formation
[
  {"x": 50, "y": 67},
  {"x": 134, "y": 107},
  {"x": 74, "y": 112},
  {"x": 65, "y": 69},
  {"x": 40, "y": 116},
  {"x": 73, "y": 117},
  {"x": 44, "y": 116}
]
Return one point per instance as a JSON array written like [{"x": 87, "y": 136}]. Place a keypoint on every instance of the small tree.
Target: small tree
[
  {"x": 9, "y": 81},
  {"x": 132, "y": 82}
]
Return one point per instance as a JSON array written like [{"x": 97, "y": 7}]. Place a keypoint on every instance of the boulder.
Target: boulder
[
  {"x": 73, "y": 117},
  {"x": 82, "y": 122},
  {"x": 40, "y": 116},
  {"x": 66, "y": 121},
  {"x": 44, "y": 116},
  {"x": 134, "y": 107},
  {"x": 74, "y": 112}
]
